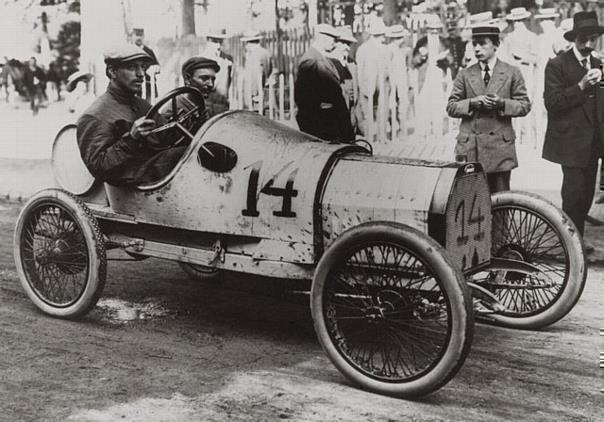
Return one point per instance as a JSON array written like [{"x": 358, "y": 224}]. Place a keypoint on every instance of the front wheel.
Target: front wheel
[
  {"x": 60, "y": 254},
  {"x": 391, "y": 311},
  {"x": 530, "y": 229}
]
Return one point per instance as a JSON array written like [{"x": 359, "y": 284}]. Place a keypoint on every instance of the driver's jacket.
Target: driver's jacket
[{"x": 108, "y": 150}]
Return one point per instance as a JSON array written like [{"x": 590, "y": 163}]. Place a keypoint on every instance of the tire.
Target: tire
[
  {"x": 376, "y": 298},
  {"x": 60, "y": 254},
  {"x": 200, "y": 272},
  {"x": 526, "y": 227}
]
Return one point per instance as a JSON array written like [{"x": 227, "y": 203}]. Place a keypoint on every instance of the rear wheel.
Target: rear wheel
[
  {"x": 390, "y": 311},
  {"x": 60, "y": 254},
  {"x": 530, "y": 229}
]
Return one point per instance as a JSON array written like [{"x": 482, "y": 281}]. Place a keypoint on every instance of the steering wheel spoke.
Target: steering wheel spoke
[{"x": 175, "y": 120}]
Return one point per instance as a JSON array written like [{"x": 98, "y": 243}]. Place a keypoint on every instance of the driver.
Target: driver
[{"x": 115, "y": 139}]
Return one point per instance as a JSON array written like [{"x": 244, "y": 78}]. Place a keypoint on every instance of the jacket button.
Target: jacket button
[{"x": 491, "y": 133}]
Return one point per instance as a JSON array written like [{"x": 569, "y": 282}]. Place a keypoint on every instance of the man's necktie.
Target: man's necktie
[
  {"x": 487, "y": 77},
  {"x": 584, "y": 63}
]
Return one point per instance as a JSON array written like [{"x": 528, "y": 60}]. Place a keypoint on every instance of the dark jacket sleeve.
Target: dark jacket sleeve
[
  {"x": 559, "y": 97},
  {"x": 104, "y": 152}
]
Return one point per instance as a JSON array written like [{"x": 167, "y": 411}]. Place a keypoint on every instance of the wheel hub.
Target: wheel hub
[
  {"x": 46, "y": 255},
  {"x": 384, "y": 302},
  {"x": 515, "y": 252}
]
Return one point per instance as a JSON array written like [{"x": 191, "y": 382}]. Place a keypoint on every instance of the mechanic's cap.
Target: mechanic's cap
[
  {"x": 124, "y": 53},
  {"x": 327, "y": 29},
  {"x": 195, "y": 63}
]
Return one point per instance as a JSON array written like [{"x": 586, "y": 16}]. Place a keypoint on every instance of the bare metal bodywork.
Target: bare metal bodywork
[{"x": 287, "y": 198}]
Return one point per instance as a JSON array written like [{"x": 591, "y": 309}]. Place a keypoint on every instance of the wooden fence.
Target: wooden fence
[{"x": 424, "y": 118}]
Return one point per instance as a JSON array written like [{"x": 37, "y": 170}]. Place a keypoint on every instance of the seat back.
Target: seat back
[{"x": 68, "y": 168}]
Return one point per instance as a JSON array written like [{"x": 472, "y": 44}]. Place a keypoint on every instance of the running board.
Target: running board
[{"x": 215, "y": 258}]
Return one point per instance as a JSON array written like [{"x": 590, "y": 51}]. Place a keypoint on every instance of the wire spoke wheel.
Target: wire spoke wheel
[
  {"x": 529, "y": 229},
  {"x": 55, "y": 255},
  {"x": 59, "y": 254},
  {"x": 387, "y": 312},
  {"x": 390, "y": 316}
]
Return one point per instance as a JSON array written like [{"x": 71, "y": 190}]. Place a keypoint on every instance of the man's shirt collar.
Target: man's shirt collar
[
  {"x": 491, "y": 64},
  {"x": 580, "y": 57},
  {"x": 121, "y": 95}
]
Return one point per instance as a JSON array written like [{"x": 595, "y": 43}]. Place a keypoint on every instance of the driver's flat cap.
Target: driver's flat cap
[
  {"x": 124, "y": 53},
  {"x": 195, "y": 63}
]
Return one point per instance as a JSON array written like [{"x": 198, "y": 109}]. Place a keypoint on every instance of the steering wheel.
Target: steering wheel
[{"x": 180, "y": 122}]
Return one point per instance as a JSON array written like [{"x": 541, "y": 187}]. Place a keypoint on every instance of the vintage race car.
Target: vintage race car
[{"x": 402, "y": 254}]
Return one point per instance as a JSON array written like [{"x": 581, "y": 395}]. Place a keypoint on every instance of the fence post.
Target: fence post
[
  {"x": 271, "y": 102},
  {"x": 260, "y": 94},
  {"x": 292, "y": 99},
  {"x": 281, "y": 97}
]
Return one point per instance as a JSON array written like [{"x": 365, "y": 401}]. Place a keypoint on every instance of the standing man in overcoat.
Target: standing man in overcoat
[
  {"x": 486, "y": 96},
  {"x": 575, "y": 116},
  {"x": 322, "y": 108}
]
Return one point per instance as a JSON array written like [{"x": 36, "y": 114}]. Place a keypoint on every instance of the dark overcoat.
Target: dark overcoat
[
  {"x": 109, "y": 152},
  {"x": 487, "y": 136},
  {"x": 322, "y": 109},
  {"x": 571, "y": 121}
]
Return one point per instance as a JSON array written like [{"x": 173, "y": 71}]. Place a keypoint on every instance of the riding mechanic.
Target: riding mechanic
[{"x": 199, "y": 73}]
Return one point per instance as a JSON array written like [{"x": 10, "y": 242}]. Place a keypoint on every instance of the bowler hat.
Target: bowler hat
[
  {"x": 585, "y": 23},
  {"x": 195, "y": 63}
]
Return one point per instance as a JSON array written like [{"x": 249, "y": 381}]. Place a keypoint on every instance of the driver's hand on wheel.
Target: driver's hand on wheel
[{"x": 141, "y": 128}]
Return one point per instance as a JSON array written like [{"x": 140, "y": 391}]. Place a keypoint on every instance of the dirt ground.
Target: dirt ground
[{"x": 160, "y": 347}]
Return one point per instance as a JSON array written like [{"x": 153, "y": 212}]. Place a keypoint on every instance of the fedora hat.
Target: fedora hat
[
  {"x": 584, "y": 23},
  {"x": 518, "y": 14}
]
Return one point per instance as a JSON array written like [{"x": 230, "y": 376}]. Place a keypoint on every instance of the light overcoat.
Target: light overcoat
[{"x": 487, "y": 136}]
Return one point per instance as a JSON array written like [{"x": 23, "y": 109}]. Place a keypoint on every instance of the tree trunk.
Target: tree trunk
[
  {"x": 390, "y": 12},
  {"x": 188, "y": 17}
]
